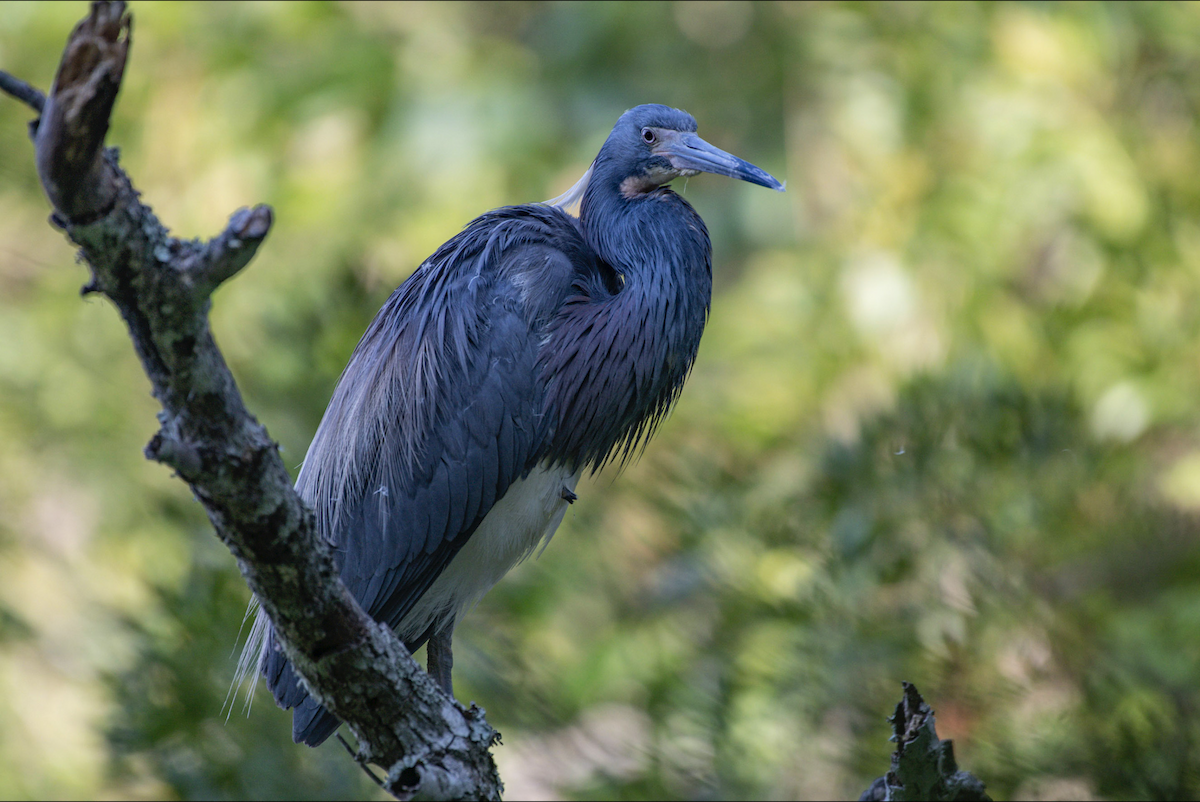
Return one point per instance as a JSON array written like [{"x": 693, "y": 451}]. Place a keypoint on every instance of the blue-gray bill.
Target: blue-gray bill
[{"x": 688, "y": 152}]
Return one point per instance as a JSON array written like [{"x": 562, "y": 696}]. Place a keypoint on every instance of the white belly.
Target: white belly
[{"x": 528, "y": 514}]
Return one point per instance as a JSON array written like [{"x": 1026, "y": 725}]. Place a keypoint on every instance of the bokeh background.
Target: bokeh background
[{"x": 944, "y": 425}]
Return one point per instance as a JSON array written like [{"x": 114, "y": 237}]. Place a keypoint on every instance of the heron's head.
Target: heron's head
[
  {"x": 649, "y": 146},
  {"x": 652, "y": 144}
]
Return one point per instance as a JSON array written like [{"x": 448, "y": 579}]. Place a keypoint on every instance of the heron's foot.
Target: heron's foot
[{"x": 441, "y": 660}]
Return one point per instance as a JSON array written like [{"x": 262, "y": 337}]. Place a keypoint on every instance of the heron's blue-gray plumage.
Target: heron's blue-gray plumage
[
  {"x": 618, "y": 361},
  {"x": 529, "y": 339},
  {"x": 445, "y": 385}
]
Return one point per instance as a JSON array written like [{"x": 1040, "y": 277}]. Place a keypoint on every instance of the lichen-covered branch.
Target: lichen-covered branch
[
  {"x": 923, "y": 765},
  {"x": 161, "y": 286}
]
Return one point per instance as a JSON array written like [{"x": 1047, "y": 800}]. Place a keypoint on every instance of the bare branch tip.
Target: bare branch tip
[
  {"x": 231, "y": 250},
  {"x": 251, "y": 224}
]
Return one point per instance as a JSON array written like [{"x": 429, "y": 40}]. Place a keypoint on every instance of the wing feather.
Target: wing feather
[{"x": 439, "y": 410}]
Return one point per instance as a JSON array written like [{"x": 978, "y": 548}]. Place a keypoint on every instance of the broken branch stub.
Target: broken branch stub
[
  {"x": 69, "y": 141},
  {"x": 923, "y": 765}
]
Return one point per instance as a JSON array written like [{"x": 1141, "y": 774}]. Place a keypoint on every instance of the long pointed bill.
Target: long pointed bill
[{"x": 688, "y": 152}]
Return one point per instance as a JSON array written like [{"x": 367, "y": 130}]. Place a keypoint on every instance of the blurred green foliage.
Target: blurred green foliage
[{"x": 943, "y": 426}]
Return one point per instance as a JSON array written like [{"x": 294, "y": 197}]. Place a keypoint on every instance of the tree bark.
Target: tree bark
[{"x": 430, "y": 746}]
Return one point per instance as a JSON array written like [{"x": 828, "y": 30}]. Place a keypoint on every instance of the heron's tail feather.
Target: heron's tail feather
[
  {"x": 311, "y": 723},
  {"x": 250, "y": 658}
]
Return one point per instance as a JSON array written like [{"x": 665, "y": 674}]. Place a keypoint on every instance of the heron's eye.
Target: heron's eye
[{"x": 648, "y": 136}]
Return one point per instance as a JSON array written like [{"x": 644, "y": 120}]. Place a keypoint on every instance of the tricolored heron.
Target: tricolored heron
[{"x": 529, "y": 347}]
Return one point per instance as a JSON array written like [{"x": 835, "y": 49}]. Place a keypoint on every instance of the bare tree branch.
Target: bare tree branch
[{"x": 161, "y": 285}]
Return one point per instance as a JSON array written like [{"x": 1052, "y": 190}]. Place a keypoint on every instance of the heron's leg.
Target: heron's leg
[{"x": 440, "y": 661}]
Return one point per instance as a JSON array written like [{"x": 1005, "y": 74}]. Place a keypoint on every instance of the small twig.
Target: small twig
[
  {"x": 32, "y": 97},
  {"x": 362, "y": 764}
]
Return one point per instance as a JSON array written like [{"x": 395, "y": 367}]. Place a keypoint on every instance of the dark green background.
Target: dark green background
[{"x": 944, "y": 426}]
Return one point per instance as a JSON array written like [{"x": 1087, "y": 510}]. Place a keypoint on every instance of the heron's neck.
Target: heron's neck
[
  {"x": 656, "y": 242},
  {"x": 616, "y": 364}
]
